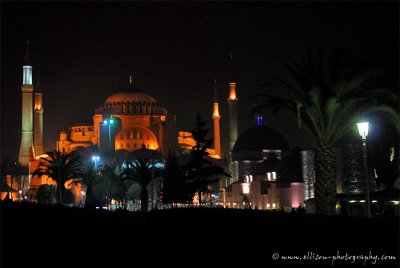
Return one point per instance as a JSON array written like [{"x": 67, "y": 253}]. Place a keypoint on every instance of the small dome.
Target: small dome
[
  {"x": 130, "y": 95},
  {"x": 260, "y": 138}
]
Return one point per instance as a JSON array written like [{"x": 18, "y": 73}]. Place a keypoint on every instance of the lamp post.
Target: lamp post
[
  {"x": 363, "y": 130},
  {"x": 95, "y": 158},
  {"x": 109, "y": 122}
]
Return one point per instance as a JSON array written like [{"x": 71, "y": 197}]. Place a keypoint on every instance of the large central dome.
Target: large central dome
[
  {"x": 130, "y": 95},
  {"x": 131, "y": 101}
]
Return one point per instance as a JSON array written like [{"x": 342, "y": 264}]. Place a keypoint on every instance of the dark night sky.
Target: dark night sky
[{"x": 85, "y": 51}]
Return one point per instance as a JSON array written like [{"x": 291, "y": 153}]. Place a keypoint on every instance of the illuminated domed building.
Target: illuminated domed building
[
  {"x": 263, "y": 175},
  {"x": 254, "y": 145},
  {"x": 128, "y": 119}
]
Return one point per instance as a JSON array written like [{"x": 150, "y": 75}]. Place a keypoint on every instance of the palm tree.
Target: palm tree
[
  {"x": 87, "y": 177},
  {"x": 113, "y": 175},
  {"x": 60, "y": 167},
  {"x": 142, "y": 171},
  {"x": 329, "y": 97}
]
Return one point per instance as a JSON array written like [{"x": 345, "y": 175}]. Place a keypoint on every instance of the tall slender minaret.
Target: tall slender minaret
[
  {"x": 27, "y": 112},
  {"x": 38, "y": 119},
  {"x": 233, "y": 113},
  {"x": 216, "y": 117}
]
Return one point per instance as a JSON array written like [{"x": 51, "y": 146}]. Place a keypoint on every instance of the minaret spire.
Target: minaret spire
[
  {"x": 215, "y": 90},
  {"x": 25, "y": 149},
  {"x": 233, "y": 110},
  {"x": 216, "y": 117},
  {"x": 232, "y": 68},
  {"x": 27, "y": 74},
  {"x": 27, "y": 61},
  {"x": 38, "y": 119},
  {"x": 233, "y": 125}
]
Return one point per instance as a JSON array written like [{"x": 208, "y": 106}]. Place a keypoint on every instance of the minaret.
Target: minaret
[
  {"x": 216, "y": 117},
  {"x": 38, "y": 119},
  {"x": 233, "y": 113},
  {"x": 27, "y": 110}
]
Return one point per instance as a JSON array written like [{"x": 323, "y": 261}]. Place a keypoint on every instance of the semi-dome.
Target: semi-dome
[
  {"x": 260, "y": 138},
  {"x": 130, "y": 95}
]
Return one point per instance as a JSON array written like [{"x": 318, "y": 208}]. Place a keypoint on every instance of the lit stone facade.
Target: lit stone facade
[{"x": 264, "y": 192}]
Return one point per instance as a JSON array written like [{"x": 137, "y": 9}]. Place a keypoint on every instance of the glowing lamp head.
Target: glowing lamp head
[
  {"x": 363, "y": 129},
  {"x": 246, "y": 188},
  {"x": 108, "y": 121}
]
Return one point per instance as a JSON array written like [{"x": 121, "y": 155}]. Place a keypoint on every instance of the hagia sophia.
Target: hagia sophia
[
  {"x": 131, "y": 119},
  {"x": 137, "y": 119}
]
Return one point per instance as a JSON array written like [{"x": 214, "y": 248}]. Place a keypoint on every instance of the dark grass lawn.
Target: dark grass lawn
[{"x": 219, "y": 236}]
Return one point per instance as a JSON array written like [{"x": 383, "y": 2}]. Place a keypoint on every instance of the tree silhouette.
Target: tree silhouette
[
  {"x": 199, "y": 171},
  {"x": 46, "y": 194},
  {"x": 142, "y": 171},
  {"x": 112, "y": 176},
  {"x": 88, "y": 177},
  {"x": 175, "y": 188},
  {"x": 60, "y": 167}
]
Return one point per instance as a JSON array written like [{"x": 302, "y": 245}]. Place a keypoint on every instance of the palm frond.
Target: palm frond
[
  {"x": 330, "y": 109},
  {"x": 355, "y": 81},
  {"x": 302, "y": 80}
]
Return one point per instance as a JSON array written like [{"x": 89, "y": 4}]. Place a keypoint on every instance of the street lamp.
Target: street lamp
[
  {"x": 95, "y": 158},
  {"x": 109, "y": 122},
  {"x": 363, "y": 131}
]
